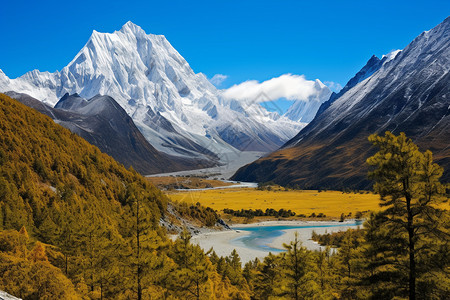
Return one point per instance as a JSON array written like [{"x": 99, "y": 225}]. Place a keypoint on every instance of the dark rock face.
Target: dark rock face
[
  {"x": 410, "y": 93},
  {"x": 372, "y": 65},
  {"x": 103, "y": 123}
]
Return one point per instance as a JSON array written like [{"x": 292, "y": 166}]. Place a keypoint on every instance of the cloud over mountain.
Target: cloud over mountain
[{"x": 289, "y": 86}]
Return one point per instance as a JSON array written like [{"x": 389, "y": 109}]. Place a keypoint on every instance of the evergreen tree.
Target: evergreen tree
[
  {"x": 250, "y": 272},
  {"x": 144, "y": 239},
  {"x": 408, "y": 183},
  {"x": 193, "y": 268},
  {"x": 268, "y": 279},
  {"x": 321, "y": 261},
  {"x": 234, "y": 268},
  {"x": 348, "y": 264},
  {"x": 295, "y": 265}
]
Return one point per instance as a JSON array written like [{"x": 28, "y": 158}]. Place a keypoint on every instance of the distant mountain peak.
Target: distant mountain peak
[
  {"x": 131, "y": 28},
  {"x": 71, "y": 102},
  {"x": 3, "y": 77}
]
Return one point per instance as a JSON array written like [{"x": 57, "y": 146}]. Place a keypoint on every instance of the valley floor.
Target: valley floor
[{"x": 306, "y": 202}]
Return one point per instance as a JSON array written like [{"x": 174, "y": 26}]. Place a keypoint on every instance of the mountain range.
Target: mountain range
[
  {"x": 178, "y": 111},
  {"x": 103, "y": 123},
  {"x": 134, "y": 96},
  {"x": 406, "y": 91}
]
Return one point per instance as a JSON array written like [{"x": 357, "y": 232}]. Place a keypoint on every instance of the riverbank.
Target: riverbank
[{"x": 223, "y": 242}]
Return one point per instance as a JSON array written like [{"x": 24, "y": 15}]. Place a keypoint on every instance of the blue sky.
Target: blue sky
[{"x": 245, "y": 40}]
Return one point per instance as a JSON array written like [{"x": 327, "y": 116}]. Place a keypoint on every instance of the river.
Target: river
[{"x": 257, "y": 240}]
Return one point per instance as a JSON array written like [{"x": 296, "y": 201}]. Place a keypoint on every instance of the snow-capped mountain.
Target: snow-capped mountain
[
  {"x": 372, "y": 65},
  {"x": 178, "y": 111},
  {"x": 406, "y": 91},
  {"x": 305, "y": 111}
]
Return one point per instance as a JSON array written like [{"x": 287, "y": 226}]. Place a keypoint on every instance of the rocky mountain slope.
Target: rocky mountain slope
[
  {"x": 103, "y": 123},
  {"x": 409, "y": 93}
]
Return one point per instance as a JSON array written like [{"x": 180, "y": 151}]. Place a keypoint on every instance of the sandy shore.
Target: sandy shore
[{"x": 222, "y": 241}]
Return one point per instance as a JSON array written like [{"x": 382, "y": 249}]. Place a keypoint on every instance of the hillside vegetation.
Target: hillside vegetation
[{"x": 76, "y": 224}]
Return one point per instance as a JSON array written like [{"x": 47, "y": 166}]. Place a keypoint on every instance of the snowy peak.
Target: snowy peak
[
  {"x": 178, "y": 111},
  {"x": 372, "y": 65},
  {"x": 3, "y": 76},
  {"x": 130, "y": 27}
]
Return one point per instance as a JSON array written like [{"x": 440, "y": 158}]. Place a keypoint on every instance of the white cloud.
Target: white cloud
[
  {"x": 289, "y": 86},
  {"x": 334, "y": 86},
  {"x": 218, "y": 79}
]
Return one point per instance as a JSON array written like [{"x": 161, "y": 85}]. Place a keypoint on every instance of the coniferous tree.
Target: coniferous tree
[
  {"x": 144, "y": 240},
  {"x": 321, "y": 262},
  {"x": 408, "y": 183},
  {"x": 234, "y": 268},
  {"x": 296, "y": 260},
  {"x": 68, "y": 241},
  {"x": 250, "y": 272},
  {"x": 193, "y": 268},
  {"x": 268, "y": 280}
]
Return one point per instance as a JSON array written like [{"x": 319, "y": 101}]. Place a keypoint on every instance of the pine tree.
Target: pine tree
[
  {"x": 268, "y": 280},
  {"x": 250, "y": 272},
  {"x": 38, "y": 253},
  {"x": 144, "y": 240},
  {"x": 193, "y": 268},
  {"x": 348, "y": 264},
  {"x": 234, "y": 268},
  {"x": 68, "y": 240},
  {"x": 295, "y": 264},
  {"x": 23, "y": 241},
  {"x": 408, "y": 183},
  {"x": 320, "y": 260}
]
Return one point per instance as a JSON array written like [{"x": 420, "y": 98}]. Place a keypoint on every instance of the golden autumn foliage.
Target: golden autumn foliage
[
  {"x": 89, "y": 228},
  {"x": 30, "y": 276}
]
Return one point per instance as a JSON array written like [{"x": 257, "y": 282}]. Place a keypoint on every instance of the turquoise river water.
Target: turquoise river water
[{"x": 261, "y": 236}]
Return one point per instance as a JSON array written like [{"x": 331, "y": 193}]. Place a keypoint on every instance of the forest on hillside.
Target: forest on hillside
[{"x": 75, "y": 224}]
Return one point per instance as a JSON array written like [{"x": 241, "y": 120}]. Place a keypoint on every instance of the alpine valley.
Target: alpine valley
[{"x": 115, "y": 171}]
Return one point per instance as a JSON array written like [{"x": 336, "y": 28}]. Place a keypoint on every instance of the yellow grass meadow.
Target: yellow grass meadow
[{"x": 330, "y": 203}]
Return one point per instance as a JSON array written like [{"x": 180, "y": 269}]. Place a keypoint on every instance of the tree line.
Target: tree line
[{"x": 269, "y": 212}]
